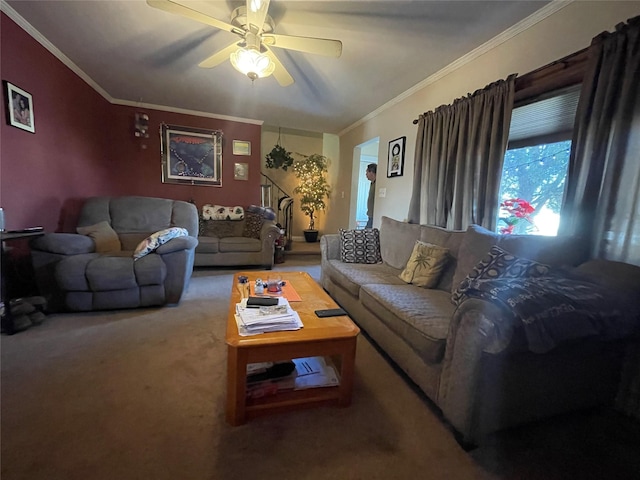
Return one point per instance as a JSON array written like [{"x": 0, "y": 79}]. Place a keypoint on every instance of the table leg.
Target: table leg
[
  {"x": 236, "y": 386},
  {"x": 347, "y": 372}
]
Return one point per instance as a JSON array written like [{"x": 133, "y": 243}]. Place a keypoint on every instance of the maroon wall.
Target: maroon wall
[{"x": 85, "y": 146}]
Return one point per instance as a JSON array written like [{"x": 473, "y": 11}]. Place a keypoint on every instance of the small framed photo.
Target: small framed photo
[
  {"x": 395, "y": 165},
  {"x": 241, "y": 171},
  {"x": 19, "y": 108},
  {"x": 241, "y": 147}
]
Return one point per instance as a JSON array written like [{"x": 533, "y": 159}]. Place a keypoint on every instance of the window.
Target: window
[{"x": 536, "y": 163}]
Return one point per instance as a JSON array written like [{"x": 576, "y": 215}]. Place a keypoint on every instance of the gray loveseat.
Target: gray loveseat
[
  {"x": 479, "y": 371},
  {"x": 96, "y": 270},
  {"x": 249, "y": 241}
]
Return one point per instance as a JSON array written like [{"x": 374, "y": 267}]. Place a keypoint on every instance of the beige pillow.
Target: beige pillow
[
  {"x": 425, "y": 265},
  {"x": 105, "y": 237}
]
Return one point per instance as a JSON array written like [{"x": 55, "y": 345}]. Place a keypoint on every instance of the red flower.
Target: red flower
[{"x": 516, "y": 208}]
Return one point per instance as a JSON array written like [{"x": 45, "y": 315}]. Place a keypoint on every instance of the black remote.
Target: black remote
[{"x": 330, "y": 312}]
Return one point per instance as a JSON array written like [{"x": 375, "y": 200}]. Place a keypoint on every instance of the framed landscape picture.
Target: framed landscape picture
[
  {"x": 395, "y": 165},
  {"x": 19, "y": 108},
  {"x": 191, "y": 155}
]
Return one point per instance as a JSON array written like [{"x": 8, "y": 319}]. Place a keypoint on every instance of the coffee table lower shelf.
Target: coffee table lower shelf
[{"x": 286, "y": 401}]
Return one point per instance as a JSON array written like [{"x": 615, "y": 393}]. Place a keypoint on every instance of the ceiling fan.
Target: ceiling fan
[{"x": 252, "y": 55}]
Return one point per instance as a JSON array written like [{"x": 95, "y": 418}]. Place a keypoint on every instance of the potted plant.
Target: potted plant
[
  {"x": 313, "y": 188},
  {"x": 278, "y": 157}
]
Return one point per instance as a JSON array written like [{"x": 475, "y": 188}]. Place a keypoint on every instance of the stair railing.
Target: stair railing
[{"x": 272, "y": 195}]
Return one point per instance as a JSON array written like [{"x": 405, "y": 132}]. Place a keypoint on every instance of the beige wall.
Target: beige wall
[
  {"x": 565, "y": 31},
  {"x": 300, "y": 142}
]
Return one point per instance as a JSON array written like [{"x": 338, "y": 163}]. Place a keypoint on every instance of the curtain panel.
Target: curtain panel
[
  {"x": 459, "y": 156},
  {"x": 602, "y": 197}
]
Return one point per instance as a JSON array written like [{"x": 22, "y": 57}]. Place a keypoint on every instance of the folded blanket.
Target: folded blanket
[{"x": 553, "y": 308}]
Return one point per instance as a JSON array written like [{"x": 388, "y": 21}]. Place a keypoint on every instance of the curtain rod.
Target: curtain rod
[{"x": 469, "y": 95}]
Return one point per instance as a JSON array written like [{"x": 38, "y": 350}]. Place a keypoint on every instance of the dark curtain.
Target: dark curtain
[
  {"x": 602, "y": 198},
  {"x": 458, "y": 159}
]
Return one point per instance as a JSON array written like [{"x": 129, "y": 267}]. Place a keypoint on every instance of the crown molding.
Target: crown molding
[
  {"x": 37, "y": 36},
  {"x": 533, "y": 19}
]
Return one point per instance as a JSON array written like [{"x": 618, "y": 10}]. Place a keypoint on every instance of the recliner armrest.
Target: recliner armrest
[
  {"x": 63, "y": 243},
  {"x": 176, "y": 244}
]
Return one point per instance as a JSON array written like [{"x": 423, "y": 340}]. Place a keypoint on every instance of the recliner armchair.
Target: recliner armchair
[{"x": 97, "y": 270}]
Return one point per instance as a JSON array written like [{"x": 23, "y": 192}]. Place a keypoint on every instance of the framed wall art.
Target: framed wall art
[
  {"x": 19, "y": 106},
  {"x": 191, "y": 155},
  {"x": 395, "y": 165},
  {"x": 241, "y": 171},
  {"x": 241, "y": 147}
]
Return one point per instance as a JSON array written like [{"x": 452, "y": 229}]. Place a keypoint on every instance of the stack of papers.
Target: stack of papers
[
  {"x": 252, "y": 321},
  {"x": 310, "y": 372}
]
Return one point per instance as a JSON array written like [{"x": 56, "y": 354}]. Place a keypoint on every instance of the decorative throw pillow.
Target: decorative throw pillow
[
  {"x": 218, "y": 212},
  {"x": 267, "y": 213},
  {"x": 154, "y": 240},
  {"x": 425, "y": 265},
  {"x": 213, "y": 228},
  {"x": 252, "y": 225},
  {"x": 360, "y": 246},
  {"x": 105, "y": 237},
  {"x": 499, "y": 263}
]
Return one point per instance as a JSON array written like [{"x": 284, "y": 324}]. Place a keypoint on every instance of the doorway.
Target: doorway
[{"x": 368, "y": 153}]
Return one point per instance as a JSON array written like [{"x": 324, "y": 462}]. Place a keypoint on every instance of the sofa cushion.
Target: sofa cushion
[
  {"x": 239, "y": 244},
  {"x": 425, "y": 265},
  {"x": 421, "y": 317},
  {"x": 208, "y": 245},
  {"x": 110, "y": 273},
  {"x": 105, "y": 237},
  {"x": 360, "y": 246},
  {"x": 351, "y": 276},
  {"x": 156, "y": 239},
  {"x": 397, "y": 240},
  {"x": 499, "y": 263},
  {"x": 554, "y": 251}
]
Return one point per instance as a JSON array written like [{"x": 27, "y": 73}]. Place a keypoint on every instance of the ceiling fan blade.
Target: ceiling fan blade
[
  {"x": 256, "y": 14},
  {"x": 320, "y": 46},
  {"x": 173, "y": 7},
  {"x": 280, "y": 73},
  {"x": 219, "y": 57}
]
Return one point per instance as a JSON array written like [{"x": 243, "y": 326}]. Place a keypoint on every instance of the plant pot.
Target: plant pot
[{"x": 311, "y": 235}]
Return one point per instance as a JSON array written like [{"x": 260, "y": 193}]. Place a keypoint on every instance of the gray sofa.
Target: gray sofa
[
  {"x": 469, "y": 360},
  {"x": 246, "y": 242},
  {"x": 96, "y": 270}
]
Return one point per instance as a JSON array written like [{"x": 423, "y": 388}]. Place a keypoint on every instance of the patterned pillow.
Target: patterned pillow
[
  {"x": 218, "y": 212},
  {"x": 360, "y": 246},
  {"x": 220, "y": 229},
  {"x": 499, "y": 263},
  {"x": 267, "y": 213},
  {"x": 425, "y": 264},
  {"x": 105, "y": 237},
  {"x": 252, "y": 225},
  {"x": 154, "y": 240}
]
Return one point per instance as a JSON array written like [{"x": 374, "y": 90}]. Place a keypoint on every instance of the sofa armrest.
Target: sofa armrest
[
  {"x": 474, "y": 331},
  {"x": 176, "y": 244},
  {"x": 268, "y": 235},
  {"x": 330, "y": 246},
  {"x": 63, "y": 243}
]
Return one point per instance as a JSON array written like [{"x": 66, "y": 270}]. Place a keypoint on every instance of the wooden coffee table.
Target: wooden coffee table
[{"x": 333, "y": 337}]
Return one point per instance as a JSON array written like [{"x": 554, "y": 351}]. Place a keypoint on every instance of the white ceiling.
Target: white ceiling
[{"x": 138, "y": 54}]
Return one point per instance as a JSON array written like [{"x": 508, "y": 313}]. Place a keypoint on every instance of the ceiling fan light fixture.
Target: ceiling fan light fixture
[{"x": 252, "y": 63}]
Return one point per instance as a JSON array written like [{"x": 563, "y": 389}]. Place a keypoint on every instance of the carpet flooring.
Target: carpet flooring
[{"x": 139, "y": 394}]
